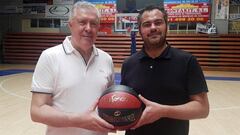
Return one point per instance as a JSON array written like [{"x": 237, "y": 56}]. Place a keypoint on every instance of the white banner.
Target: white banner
[{"x": 57, "y": 11}]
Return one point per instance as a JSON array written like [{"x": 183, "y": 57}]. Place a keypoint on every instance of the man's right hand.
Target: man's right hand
[
  {"x": 43, "y": 112},
  {"x": 90, "y": 120}
]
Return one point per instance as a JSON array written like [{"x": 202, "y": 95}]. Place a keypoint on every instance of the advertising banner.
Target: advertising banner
[
  {"x": 57, "y": 11},
  {"x": 102, "y": 1},
  {"x": 108, "y": 12},
  {"x": 197, "y": 12},
  {"x": 185, "y": 1},
  {"x": 107, "y": 9}
]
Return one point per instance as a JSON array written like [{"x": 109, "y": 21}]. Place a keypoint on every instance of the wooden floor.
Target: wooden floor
[{"x": 224, "y": 97}]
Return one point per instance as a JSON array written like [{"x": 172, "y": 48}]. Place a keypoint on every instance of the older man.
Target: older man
[{"x": 69, "y": 78}]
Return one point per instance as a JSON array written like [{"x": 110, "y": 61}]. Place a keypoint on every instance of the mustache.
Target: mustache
[{"x": 154, "y": 33}]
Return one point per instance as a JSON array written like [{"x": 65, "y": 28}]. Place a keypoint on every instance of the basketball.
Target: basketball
[{"x": 120, "y": 106}]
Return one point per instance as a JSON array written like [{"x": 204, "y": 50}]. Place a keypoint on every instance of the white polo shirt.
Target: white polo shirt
[{"x": 74, "y": 85}]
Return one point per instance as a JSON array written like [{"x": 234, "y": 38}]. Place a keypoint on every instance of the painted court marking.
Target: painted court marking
[
  {"x": 117, "y": 80},
  {"x": 8, "y": 91},
  {"x": 117, "y": 75}
]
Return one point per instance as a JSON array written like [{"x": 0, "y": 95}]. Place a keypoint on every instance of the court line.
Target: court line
[
  {"x": 225, "y": 108},
  {"x": 117, "y": 75},
  {"x": 13, "y": 71},
  {"x": 25, "y": 98},
  {"x": 9, "y": 92}
]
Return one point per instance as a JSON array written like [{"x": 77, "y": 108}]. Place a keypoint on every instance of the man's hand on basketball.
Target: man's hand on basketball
[
  {"x": 91, "y": 121},
  {"x": 151, "y": 113}
]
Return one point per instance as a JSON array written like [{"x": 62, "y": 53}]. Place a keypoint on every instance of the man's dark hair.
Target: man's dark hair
[{"x": 150, "y": 8}]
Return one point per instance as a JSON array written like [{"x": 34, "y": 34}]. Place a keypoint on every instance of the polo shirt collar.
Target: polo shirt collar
[
  {"x": 166, "y": 54},
  {"x": 69, "y": 49}
]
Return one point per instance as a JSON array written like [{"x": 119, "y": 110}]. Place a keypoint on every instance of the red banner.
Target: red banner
[
  {"x": 108, "y": 12},
  {"x": 197, "y": 12}
]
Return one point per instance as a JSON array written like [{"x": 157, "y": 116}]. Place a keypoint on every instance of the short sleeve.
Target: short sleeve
[
  {"x": 43, "y": 76},
  {"x": 196, "y": 82}
]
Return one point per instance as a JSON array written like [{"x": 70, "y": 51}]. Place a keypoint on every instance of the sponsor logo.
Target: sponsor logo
[
  {"x": 59, "y": 10},
  {"x": 116, "y": 98},
  {"x": 117, "y": 113}
]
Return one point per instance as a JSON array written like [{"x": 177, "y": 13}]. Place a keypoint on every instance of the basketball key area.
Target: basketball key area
[{"x": 15, "y": 96}]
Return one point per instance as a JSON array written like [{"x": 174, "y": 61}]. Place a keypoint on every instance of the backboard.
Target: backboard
[{"x": 126, "y": 22}]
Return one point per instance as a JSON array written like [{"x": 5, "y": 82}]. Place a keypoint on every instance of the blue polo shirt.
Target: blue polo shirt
[{"x": 169, "y": 79}]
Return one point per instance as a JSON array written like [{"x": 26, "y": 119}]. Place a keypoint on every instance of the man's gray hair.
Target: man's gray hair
[{"x": 83, "y": 5}]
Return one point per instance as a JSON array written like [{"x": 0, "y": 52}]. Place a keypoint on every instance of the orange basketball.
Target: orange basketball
[{"x": 120, "y": 106}]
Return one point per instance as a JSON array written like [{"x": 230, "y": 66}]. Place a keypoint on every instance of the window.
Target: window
[
  {"x": 56, "y": 23},
  {"x": 186, "y": 27},
  {"x": 192, "y": 26},
  {"x": 34, "y": 22},
  {"x": 182, "y": 28},
  {"x": 173, "y": 26},
  {"x": 45, "y": 23}
]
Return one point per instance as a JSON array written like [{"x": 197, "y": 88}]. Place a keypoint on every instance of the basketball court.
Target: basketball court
[{"x": 15, "y": 96}]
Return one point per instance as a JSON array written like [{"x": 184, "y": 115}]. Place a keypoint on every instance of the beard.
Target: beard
[{"x": 154, "y": 41}]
